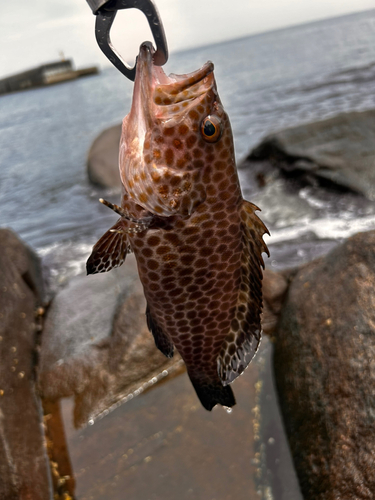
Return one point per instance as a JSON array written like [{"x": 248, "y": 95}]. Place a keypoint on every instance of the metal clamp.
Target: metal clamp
[{"x": 106, "y": 10}]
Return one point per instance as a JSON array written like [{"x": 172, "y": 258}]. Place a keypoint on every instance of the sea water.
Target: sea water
[{"x": 266, "y": 82}]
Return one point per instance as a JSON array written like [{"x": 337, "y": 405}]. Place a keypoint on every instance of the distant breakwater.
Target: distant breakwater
[{"x": 46, "y": 74}]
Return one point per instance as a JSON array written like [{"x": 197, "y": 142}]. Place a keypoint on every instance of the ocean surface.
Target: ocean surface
[{"x": 266, "y": 82}]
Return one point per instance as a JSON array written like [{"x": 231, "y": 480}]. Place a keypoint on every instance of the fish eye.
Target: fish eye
[{"x": 211, "y": 128}]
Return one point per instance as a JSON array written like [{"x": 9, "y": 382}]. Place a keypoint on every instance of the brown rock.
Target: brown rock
[
  {"x": 24, "y": 469},
  {"x": 325, "y": 372},
  {"x": 96, "y": 344},
  {"x": 102, "y": 161}
]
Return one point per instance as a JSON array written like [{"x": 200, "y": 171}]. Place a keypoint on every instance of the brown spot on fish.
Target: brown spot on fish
[
  {"x": 183, "y": 129},
  {"x": 155, "y": 177},
  {"x": 220, "y": 165},
  {"x": 193, "y": 114},
  {"x": 191, "y": 140},
  {"x": 143, "y": 198},
  {"x": 177, "y": 144},
  {"x": 163, "y": 190},
  {"x": 153, "y": 241},
  {"x": 170, "y": 131},
  {"x": 169, "y": 157},
  {"x": 198, "y": 164}
]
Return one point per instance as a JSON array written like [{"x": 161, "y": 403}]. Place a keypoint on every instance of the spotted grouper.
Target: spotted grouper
[{"x": 197, "y": 242}]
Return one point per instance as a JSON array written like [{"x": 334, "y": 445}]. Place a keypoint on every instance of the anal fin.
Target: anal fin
[
  {"x": 162, "y": 341},
  {"x": 110, "y": 251},
  {"x": 242, "y": 342}
]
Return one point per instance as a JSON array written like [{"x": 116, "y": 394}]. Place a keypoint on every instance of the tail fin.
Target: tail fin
[{"x": 211, "y": 394}]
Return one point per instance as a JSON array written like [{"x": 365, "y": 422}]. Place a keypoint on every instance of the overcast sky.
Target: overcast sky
[{"x": 35, "y": 31}]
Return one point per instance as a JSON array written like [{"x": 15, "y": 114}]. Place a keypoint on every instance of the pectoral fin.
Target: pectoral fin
[
  {"x": 242, "y": 342},
  {"x": 110, "y": 251},
  {"x": 162, "y": 340}
]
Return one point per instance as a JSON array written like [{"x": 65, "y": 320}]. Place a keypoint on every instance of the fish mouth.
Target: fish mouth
[{"x": 162, "y": 90}]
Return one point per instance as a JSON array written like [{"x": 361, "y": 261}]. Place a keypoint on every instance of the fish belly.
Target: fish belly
[{"x": 191, "y": 276}]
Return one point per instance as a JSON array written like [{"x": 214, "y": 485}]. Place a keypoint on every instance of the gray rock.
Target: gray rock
[
  {"x": 340, "y": 150},
  {"x": 102, "y": 161},
  {"x": 96, "y": 345},
  {"x": 24, "y": 468},
  {"x": 325, "y": 372}
]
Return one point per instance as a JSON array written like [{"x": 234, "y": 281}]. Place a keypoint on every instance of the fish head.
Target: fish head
[{"x": 175, "y": 131}]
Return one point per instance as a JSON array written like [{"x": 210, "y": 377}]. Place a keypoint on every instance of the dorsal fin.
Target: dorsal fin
[
  {"x": 110, "y": 251},
  {"x": 241, "y": 344}
]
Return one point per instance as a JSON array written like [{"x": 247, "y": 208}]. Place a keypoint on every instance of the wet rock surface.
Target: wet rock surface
[
  {"x": 24, "y": 469},
  {"x": 340, "y": 150},
  {"x": 96, "y": 345},
  {"x": 165, "y": 445},
  {"x": 325, "y": 372},
  {"x": 102, "y": 160}
]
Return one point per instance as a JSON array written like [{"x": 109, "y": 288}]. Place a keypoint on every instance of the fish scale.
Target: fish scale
[{"x": 199, "y": 247}]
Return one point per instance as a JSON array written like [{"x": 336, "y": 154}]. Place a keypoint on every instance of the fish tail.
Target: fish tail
[{"x": 212, "y": 393}]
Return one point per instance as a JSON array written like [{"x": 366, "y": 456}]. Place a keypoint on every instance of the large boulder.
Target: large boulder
[
  {"x": 325, "y": 372},
  {"x": 96, "y": 345},
  {"x": 24, "y": 468},
  {"x": 102, "y": 160},
  {"x": 340, "y": 150}
]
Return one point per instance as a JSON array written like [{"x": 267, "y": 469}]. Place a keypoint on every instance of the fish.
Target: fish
[{"x": 198, "y": 244}]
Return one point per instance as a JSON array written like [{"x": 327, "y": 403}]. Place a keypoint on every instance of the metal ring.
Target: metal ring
[{"x": 104, "y": 19}]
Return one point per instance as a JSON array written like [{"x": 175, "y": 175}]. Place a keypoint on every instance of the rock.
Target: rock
[
  {"x": 96, "y": 345},
  {"x": 275, "y": 287},
  {"x": 102, "y": 161},
  {"x": 24, "y": 468},
  {"x": 62, "y": 472},
  {"x": 325, "y": 372},
  {"x": 340, "y": 150},
  {"x": 165, "y": 445}
]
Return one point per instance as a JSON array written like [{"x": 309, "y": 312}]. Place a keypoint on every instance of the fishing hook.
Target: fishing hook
[{"x": 106, "y": 10}]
